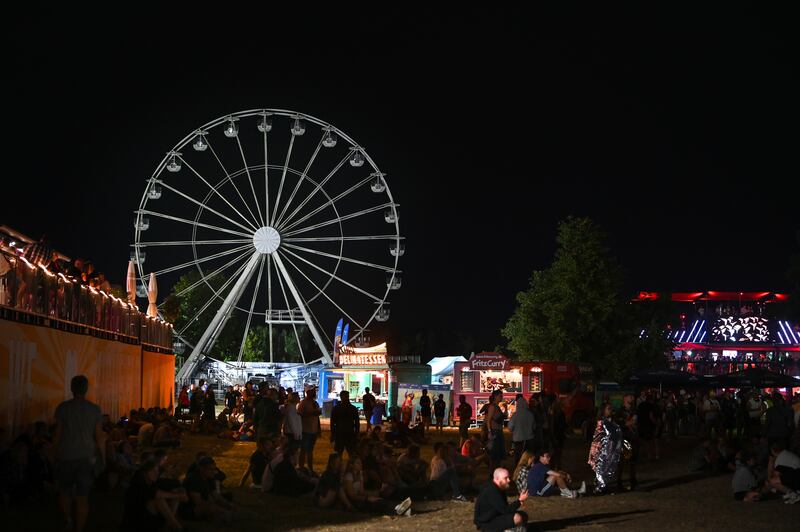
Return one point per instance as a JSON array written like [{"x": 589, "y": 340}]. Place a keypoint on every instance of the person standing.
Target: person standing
[
  {"x": 77, "y": 440},
  {"x": 464, "y": 412},
  {"x": 367, "y": 404},
  {"x": 495, "y": 418},
  {"x": 425, "y": 410},
  {"x": 628, "y": 422},
  {"x": 344, "y": 425},
  {"x": 439, "y": 407},
  {"x": 309, "y": 415},
  {"x": 604, "y": 454},
  {"x": 267, "y": 415},
  {"x": 521, "y": 427},
  {"x": 292, "y": 423},
  {"x": 492, "y": 511}
]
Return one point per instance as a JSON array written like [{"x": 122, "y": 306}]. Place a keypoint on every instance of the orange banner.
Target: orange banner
[{"x": 37, "y": 364}]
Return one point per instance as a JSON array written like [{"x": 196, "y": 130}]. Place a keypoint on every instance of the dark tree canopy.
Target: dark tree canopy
[{"x": 575, "y": 310}]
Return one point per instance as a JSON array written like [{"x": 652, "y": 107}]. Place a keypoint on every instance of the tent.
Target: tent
[
  {"x": 663, "y": 377},
  {"x": 443, "y": 366},
  {"x": 753, "y": 378}
]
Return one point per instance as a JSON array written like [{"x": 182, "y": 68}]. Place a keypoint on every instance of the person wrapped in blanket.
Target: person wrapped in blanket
[{"x": 604, "y": 454}]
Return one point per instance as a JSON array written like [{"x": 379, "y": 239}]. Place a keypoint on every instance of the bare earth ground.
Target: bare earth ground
[{"x": 670, "y": 499}]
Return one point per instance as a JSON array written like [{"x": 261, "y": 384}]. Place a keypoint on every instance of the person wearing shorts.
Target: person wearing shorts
[{"x": 78, "y": 439}]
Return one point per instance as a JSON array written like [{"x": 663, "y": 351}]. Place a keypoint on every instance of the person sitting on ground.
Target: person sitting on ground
[
  {"x": 356, "y": 493},
  {"x": 524, "y": 465},
  {"x": 375, "y": 433},
  {"x": 203, "y": 497},
  {"x": 444, "y": 475},
  {"x": 165, "y": 437},
  {"x": 258, "y": 463},
  {"x": 704, "y": 457},
  {"x": 492, "y": 511},
  {"x": 474, "y": 449},
  {"x": 744, "y": 483},
  {"x": 123, "y": 463},
  {"x": 329, "y": 489},
  {"x": 145, "y": 434},
  {"x": 544, "y": 481},
  {"x": 148, "y": 507},
  {"x": 287, "y": 480},
  {"x": 783, "y": 472},
  {"x": 411, "y": 467}
]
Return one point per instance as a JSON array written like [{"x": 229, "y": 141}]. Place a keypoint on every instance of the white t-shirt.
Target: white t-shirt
[
  {"x": 754, "y": 408},
  {"x": 787, "y": 459},
  {"x": 438, "y": 467}
]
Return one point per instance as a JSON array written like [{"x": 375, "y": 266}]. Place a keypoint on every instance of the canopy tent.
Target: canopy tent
[
  {"x": 753, "y": 378},
  {"x": 442, "y": 366},
  {"x": 663, "y": 377}
]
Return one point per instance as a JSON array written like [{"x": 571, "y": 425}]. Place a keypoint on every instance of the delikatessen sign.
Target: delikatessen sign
[{"x": 362, "y": 360}]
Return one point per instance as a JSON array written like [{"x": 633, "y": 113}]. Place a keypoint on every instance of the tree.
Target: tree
[
  {"x": 569, "y": 309},
  {"x": 576, "y": 310},
  {"x": 187, "y": 307}
]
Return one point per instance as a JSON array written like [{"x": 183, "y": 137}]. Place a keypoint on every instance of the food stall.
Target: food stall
[
  {"x": 358, "y": 368},
  {"x": 484, "y": 373}
]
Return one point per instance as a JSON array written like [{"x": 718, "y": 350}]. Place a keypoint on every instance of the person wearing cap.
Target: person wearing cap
[{"x": 204, "y": 500}]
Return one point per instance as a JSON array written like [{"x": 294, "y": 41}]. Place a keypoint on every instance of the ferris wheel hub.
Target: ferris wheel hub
[{"x": 267, "y": 240}]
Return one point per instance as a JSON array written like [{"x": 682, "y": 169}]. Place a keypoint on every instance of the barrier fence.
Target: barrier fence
[{"x": 33, "y": 294}]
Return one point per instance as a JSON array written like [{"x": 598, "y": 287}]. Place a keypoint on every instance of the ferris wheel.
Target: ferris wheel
[{"x": 286, "y": 220}]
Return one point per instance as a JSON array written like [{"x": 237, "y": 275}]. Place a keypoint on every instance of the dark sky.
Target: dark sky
[{"x": 677, "y": 134}]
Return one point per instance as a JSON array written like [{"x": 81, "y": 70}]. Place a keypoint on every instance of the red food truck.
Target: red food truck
[{"x": 483, "y": 373}]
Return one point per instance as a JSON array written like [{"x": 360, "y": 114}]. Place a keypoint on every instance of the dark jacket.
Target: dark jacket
[
  {"x": 491, "y": 504},
  {"x": 267, "y": 417},
  {"x": 344, "y": 421}
]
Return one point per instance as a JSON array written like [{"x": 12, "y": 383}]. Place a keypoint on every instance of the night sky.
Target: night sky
[{"x": 677, "y": 135}]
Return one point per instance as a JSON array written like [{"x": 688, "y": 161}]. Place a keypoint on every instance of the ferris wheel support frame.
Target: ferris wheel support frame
[{"x": 206, "y": 341}]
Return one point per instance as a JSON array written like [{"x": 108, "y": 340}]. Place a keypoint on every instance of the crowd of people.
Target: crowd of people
[
  {"x": 382, "y": 471},
  {"x": 754, "y": 436}
]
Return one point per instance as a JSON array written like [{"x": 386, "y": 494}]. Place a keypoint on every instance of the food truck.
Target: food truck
[{"x": 483, "y": 373}]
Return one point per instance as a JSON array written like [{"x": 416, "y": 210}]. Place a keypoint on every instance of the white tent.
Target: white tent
[{"x": 443, "y": 366}]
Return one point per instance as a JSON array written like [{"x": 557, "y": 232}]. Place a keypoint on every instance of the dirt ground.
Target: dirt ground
[{"x": 670, "y": 498}]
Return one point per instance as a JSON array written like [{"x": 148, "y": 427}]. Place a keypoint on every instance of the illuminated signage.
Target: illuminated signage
[
  {"x": 488, "y": 361},
  {"x": 362, "y": 360},
  {"x": 536, "y": 369},
  {"x": 744, "y": 329}
]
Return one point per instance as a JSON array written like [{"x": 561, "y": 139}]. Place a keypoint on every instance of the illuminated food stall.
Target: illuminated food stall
[{"x": 357, "y": 368}]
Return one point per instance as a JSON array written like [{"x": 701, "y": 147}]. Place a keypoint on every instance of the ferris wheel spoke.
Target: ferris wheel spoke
[
  {"x": 252, "y": 189},
  {"x": 299, "y": 182},
  {"x": 331, "y": 201},
  {"x": 307, "y": 278},
  {"x": 204, "y": 259},
  {"x": 317, "y": 188},
  {"x": 342, "y": 238},
  {"x": 252, "y": 305},
  {"x": 283, "y": 178},
  {"x": 341, "y": 257},
  {"x": 339, "y": 219},
  {"x": 207, "y": 278},
  {"x": 232, "y": 182},
  {"x": 331, "y": 274},
  {"x": 286, "y": 299},
  {"x": 191, "y": 222},
  {"x": 266, "y": 181},
  {"x": 201, "y": 205},
  {"x": 215, "y": 191},
  {"x": 191, "y": 242},
  {"x": 216, "y": 294}
]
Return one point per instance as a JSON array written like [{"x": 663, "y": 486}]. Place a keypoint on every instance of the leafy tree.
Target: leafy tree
[
  {"x": 575, "y": 310},
  {"x": 186, "y": 307},
  {"x": 569, "y": 309}
]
